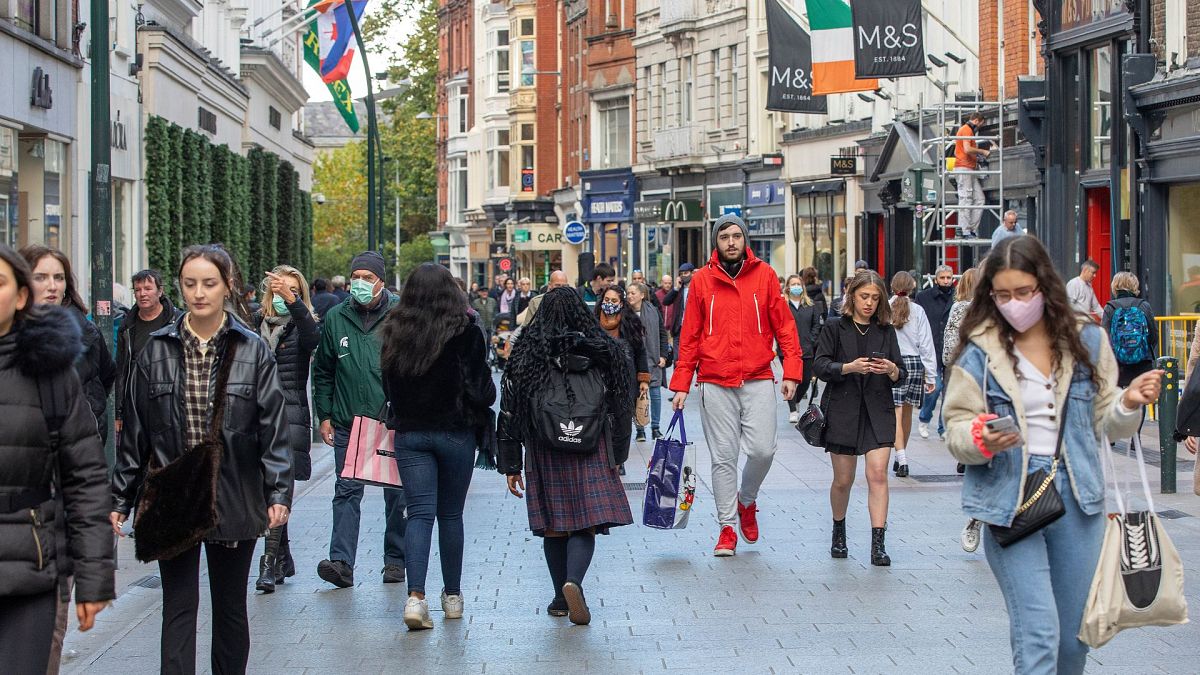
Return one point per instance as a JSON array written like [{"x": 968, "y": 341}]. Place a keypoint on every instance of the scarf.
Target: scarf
[
  {"x": 611, "y": 324},
  {"x": 506, "y": 301},
  {"x": 272, "y": 328}
]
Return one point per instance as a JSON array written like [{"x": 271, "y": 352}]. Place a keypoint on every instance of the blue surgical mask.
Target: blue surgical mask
[
  {"x": 796, "y": 290},
  {"x": 362, "y": 291},
  {"x": 280, "y": 306},
  {"x": 610, "y": 308}
]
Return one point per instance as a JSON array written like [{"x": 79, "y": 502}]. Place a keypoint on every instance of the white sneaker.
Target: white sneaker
[
  {"x": 970, "y": 536},
  {"x": 793, "y": 417},
  {"x": 923, "y": 429},
  {"x": 416, "y": 614},
  {"x": 452, "y": 605}
]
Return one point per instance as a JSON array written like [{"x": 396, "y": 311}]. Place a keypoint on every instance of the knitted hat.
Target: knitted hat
[
  {"x": 724, "y": 222},
  {"x": 369, "y": 261}
]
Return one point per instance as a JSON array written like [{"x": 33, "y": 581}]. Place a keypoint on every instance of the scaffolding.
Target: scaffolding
[{"x": 935, "y": 212}]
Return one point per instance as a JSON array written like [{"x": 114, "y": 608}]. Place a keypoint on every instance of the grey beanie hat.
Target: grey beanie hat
[
  {"x": 725, "y": 220},
  {"x": 371, "y": 262}
]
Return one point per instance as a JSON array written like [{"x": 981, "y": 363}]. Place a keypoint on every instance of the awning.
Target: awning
[{"x": 821, "y": 187}]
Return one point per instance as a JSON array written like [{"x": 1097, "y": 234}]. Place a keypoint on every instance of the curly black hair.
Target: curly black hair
[
  {"x": 631, "y": 328},
  {"x": 561, "y": 325}
]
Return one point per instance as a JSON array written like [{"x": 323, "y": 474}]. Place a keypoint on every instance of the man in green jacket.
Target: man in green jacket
[{"x": 347, "y": 382}]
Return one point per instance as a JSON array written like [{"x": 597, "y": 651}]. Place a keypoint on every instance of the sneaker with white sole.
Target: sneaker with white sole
[
  {"x": 416, "y": 614},
  {"x": 923, "y": 429},
  {"x": 452, "y": 605},
  {"x": 970, "y": 536},
  {"x": 793, "y": 417}
]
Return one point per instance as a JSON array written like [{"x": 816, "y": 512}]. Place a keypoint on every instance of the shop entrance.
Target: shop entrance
[
  {"x": 691, "y": 246},
  {"x": 1099, "y": 240}
]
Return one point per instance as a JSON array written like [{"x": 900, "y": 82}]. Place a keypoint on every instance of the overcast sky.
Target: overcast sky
[{"x": 379, "y": 60}]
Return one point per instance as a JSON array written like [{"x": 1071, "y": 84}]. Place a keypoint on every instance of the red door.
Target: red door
[
  {"x": 880, "y": 243},
  {"x": 1099, "y": 240}
]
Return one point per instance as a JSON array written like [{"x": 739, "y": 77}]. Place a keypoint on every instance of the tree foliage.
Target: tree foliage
[
  {"x": 417, "y": 250},
  {"x": 340, "y": 223}
]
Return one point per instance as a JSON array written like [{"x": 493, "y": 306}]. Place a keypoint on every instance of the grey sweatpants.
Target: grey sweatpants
[{"x": 738, "y": 420}]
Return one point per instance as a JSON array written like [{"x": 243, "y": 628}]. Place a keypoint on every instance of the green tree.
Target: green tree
[
  {"x": 414, "y": 252},
  {"x": 339, "y": 223}
]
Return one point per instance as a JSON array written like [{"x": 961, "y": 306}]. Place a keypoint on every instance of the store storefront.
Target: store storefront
[
  {"x": 613, "y": 238},
  {"x": 538, "y": 248},
  {"x": 819, "y": 227},
  {"x": 765, "y": 213},
  {"x": 660, "y": 220}
]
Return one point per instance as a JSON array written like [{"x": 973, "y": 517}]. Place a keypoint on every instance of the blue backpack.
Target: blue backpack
[{"x": 1129, "y": 334}]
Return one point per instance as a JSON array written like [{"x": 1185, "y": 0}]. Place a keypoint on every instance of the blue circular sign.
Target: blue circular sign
[{"x": 575, "y": 232}]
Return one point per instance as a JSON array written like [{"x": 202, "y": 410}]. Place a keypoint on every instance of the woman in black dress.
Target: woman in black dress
[
  {"x": 571, "y": 497},
  {"x": 859, "y": 356}
]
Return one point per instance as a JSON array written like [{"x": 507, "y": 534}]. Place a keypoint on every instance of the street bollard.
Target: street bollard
[{"x": 1168, "y": 408}]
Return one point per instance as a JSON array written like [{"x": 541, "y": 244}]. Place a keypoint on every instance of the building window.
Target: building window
[
  {"x": 528, "y": 67},
  {"x": 613, "y": 133},
  {"x": 526, "y": 27},
  {"x": 208, "y": 120},
  {"x": 457, "y": 190},
  {"x": 662, "y": 95},
  {"x": 1100, "y": 98},
  {"x": 526, "y": 132},
  {"x": 733, "y": 85},
  {"x": 686, "y": 76},
  {"x": 276, "y": 118},
  {"x": 527, "y": 157},
  {"x": 500, "y": 60},
  {"x": 718, "y": 90},
  {"x": 498, "y": 169},
  {"x": 459, "y": 122},
  {"x": 648, "y": 88},
  {"x": 27, "y": 15}
]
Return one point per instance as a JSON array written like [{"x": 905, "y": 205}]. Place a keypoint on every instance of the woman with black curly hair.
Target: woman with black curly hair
[
  {"x": 623, "y": 324},
  {"x": 571, "y": 496}
]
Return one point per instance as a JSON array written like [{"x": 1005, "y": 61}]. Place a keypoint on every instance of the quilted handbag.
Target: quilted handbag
[
  {"x": 811, "y": 424},
  {"x": 1042, "y": 506}
]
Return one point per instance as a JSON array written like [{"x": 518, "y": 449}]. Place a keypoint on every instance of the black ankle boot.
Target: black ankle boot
[
  {"x": 838, "y": 548},
  {"x": 266, "y": 574},
  {"x": 879, "y": 556}
]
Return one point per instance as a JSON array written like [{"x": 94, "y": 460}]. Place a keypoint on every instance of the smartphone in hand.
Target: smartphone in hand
[
  {"x": 878, "y": 356},
  {"x": 1003, "y": 425}
]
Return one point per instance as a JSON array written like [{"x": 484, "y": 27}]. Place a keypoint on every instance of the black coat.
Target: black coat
[
  {"x": 816, "y": 293},
  {"x": 808, "y": 327},
  {"x": 675, "y": 296},
  {"x": 256, "y": 469},
  {"x": 95, "y": 368},
  {"x": 937, "y": 304},
  {"x": 125, "y": 355},
  {"x": 455, "y": 394},
  {"x": 293, "y": 360},
  {"x": 323, "y": 302},
  {"x": 38, "y": 348},
  {"x": 843, "y": 397}
]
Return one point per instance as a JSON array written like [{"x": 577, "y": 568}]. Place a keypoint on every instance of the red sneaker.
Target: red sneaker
[
  {"x": 748, "y": 522},
  {"x": 726, "y": 544}
]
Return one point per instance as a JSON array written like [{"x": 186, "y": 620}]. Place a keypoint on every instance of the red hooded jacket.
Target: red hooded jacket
[{"x": 731, "y": 326}]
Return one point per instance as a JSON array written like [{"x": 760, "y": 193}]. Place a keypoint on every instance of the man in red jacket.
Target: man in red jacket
[{"x": 736, "y": 315}]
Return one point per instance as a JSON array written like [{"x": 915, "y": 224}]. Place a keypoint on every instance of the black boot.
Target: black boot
[
  {"x": 285, "y": 565},
  {"x": 879, "y": 556},
  {"x": 266, "y": 574},
  {"x": 838, "y": 548}
]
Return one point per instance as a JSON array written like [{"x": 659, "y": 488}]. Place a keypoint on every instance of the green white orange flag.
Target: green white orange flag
[{"x": 832, "y": 27}]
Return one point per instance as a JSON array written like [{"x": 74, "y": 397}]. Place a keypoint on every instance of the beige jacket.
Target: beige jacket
[{"x": 965, "y": 400}]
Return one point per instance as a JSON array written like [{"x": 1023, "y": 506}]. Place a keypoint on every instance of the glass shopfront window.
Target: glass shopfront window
[
  {"x": 1075, "y": 13},
  {"x": 821, "y": 226},
  {"x": 1100, "y": 99},
  {"x": 1183, "y": 261}
]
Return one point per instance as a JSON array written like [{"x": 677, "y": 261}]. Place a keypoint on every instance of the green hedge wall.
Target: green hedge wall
[{"x": 197, "y": 192}]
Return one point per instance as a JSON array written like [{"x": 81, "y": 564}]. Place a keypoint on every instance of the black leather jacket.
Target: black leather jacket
[{"x": 256, "y": 469}]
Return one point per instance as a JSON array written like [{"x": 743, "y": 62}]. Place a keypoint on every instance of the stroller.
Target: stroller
[{"x": 502, "y": 328}]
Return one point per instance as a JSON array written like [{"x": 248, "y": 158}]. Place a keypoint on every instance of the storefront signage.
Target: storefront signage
[
  {"x": 648, "y": 211},
  {"x": 789, "y": 58},
  {"x": 731, "y": 210},
  {"x": 539, "y": 237},
  {"x": 888, "y": 40},
  {"x": 600, "y": 209},
  {"x": 41, "y": 96},
  {"x": 117, "y": 137},
  {"x": 682, "y": 211},
  {"x": 526, "y": 180},
  {"x": 607, "y": 208},
  {"x": 575, "y": 232},
  {"x": 765, "y": 227},
  {"x": 843, "y": 166},
  {"x": 764, "y": 194}
]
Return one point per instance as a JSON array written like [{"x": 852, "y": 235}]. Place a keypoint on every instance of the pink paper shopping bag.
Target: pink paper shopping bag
[{"x": 371, "y": 457}]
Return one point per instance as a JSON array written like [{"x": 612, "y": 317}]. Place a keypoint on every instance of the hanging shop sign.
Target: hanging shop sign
[
  {"x": 789, "y": 60},
  {"x": 888, "y": 38},
  {"x": 843, "y": 166}
]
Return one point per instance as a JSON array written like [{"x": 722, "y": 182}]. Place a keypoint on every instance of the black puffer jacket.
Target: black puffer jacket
[
  {"x": 293, "y": 359},
  {"x": 96, "y": 369},
  {"x": 256, "y": 469},
  {"x": 47, "y": 347}
]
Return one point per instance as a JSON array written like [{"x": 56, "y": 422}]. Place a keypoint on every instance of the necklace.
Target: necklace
[{"x": 860, "y": 331}]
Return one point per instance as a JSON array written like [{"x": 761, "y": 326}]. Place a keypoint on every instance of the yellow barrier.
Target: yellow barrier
[{"x": 1175, "y": 335}]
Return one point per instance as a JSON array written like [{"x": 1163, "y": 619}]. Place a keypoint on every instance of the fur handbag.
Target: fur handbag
[{"x": 178, "y": 505}]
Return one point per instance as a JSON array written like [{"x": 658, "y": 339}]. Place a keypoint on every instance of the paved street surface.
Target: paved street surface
[{"x": 660, "y": 601}]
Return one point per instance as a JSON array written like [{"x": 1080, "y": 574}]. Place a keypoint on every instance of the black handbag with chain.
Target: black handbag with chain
[
  {"x": 1043, "y": 505},
  {"x": 811, "y": 424}
]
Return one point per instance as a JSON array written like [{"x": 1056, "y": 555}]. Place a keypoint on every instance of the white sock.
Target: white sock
[{"x": 900, "y": 456}]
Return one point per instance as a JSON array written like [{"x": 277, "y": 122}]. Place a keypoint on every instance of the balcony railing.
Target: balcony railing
[
  {"x": 676, "y": 16},
  {"x": 674, "y": 143}
]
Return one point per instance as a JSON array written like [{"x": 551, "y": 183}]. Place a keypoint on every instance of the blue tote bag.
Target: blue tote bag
[{"x": 670, "y": 481}]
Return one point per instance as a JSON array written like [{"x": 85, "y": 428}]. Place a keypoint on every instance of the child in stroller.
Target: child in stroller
[{"x": 502, "y": 327}]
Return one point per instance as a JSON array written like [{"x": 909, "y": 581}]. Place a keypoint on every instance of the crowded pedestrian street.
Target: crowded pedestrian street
[{"x": 660, "y": 601}]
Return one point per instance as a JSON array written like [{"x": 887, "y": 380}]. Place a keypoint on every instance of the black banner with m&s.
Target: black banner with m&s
[
  {"x": 889, "y": 39},
  {"x": 790, "y": 64}
]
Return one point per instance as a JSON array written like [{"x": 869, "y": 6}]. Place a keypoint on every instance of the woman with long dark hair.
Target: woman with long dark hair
[
  {"x": 440, "y": 392},
  {"x": 508, "y": 298},
  {"x": 41, "y": 482},
  {"x": 170, "y": 412},
  {"x": 859, "y": 356},
  {"x": 53, "y": 283},
  {"x": 622, "y": 324},
  {"x": 571, "y": 497},
  {"x": 288, "y": 323},
  {"x": 1025, "y": 355}
]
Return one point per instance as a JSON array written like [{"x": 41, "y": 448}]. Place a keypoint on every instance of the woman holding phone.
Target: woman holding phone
[
  {"x": 859, "y": 356},
  {"x": 1032, "y": 382}
]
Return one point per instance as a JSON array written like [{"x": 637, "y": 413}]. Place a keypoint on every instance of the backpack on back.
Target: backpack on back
[
  {"x": 1129, "y": 333},
  {"x": 572, "y": 411}
]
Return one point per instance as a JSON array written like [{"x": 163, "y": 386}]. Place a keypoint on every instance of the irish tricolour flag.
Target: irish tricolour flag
[{"x": 833, "y": 48}]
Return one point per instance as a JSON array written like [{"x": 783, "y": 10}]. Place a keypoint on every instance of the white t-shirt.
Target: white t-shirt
[{"x": 1041, "y": 410}]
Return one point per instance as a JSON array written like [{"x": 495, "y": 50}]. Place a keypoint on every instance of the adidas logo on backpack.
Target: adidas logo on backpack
[{"x": 570, "y": 431}]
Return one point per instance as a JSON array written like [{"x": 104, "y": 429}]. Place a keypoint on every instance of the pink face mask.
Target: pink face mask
[{"x": 1023, "y": 314}]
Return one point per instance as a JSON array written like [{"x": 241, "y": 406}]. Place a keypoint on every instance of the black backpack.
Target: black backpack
[{"x": 572, "y": 411}]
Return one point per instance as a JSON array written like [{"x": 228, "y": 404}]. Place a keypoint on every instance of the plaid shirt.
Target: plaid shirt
[{"x": 199, "y": 359}]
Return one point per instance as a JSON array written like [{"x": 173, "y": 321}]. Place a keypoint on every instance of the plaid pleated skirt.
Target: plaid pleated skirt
[
  {"x": 911, "y": 390},
  {"x": 567, "y": 492}
]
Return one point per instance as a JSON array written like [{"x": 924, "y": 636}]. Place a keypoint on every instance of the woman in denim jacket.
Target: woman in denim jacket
[{"x": 1024, "y": 353}]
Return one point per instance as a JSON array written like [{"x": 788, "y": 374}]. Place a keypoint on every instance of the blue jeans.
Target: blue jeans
[
  {"x": 347, "y": 495},
  {"x": 931, "y": 400},
  {"x": 1045, "y": 579},
  {"x": 435, "y": 467},
  {"x": 655, "y": 408}
]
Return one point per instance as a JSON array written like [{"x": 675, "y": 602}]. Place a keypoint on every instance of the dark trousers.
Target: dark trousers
[
  {"x": 26, "y": 628},
  {"x": 436, "y": 468},
  {"x": 797, "y": 401},
  {"x": 347, "y": 511},
  {"x": 228, "y": 569}
]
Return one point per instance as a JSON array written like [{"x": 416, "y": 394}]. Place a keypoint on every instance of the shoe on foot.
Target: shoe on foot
[
  {"x": 923, "y": 430},
  {"x": 285, "y": 566},
  {"x": 748, "y": 522},
  {"x": 267, "y": 567},
  {"x": 961, "y": 468},
  {"x": 879, "y": 556},
  {"x": 577, "y": 609},
  {"x": 452, "y": 605},
  {"x": 337, "y": 572},
  {"x": 970, "y": 536},
  {"x": 557, "y": 606},
  {"x": 416, "y": 614},
  {"x": 901, "y": 470},
  {"x": 726, "y": 543},
  {"x": 393, "y": 574},
  {"x": 621, "y": 470},
  {"x": 837, "y": 548},
  {"x": 793, "y": 417},
  {"x": 655, "y": 434},
  {"x": 641, "y": 436}
]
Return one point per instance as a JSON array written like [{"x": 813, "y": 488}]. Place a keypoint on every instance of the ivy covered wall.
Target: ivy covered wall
[{"x": 197, "y": 192}]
